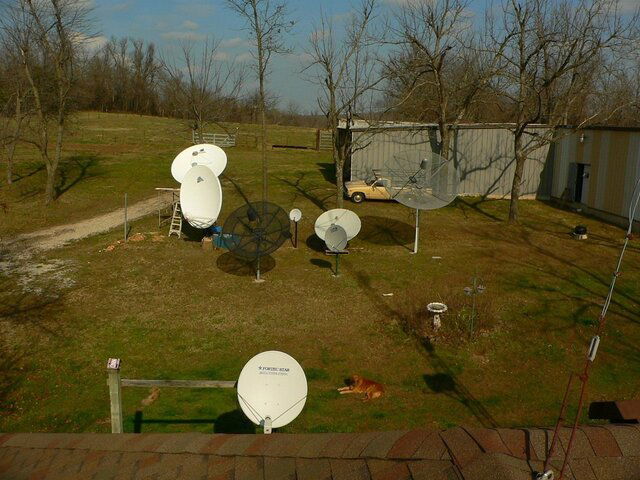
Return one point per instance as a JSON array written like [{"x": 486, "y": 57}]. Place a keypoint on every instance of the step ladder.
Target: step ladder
[{"x": 176, "y": 220}]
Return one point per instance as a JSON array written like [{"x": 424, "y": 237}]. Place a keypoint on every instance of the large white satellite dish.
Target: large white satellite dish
[
  {"x": 423, "y": 180},
  {"x": 348, "y": 220},
  {"x": 211, "y": 156},
  {"x": 272, "y": 389},
  {"x": 200, "y": 197}
]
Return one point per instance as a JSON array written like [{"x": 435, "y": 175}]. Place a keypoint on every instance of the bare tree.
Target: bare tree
[
  {"x": 552, "y": 46},
  {"x": 14, "y": 114},
  {"x": 440, "y": 65},
  {"x": 267, "y": 21},
  {"x": 204, "y": 85},
  {"x": 347, "y": 70},
  {"x": 47, "y": 36}
]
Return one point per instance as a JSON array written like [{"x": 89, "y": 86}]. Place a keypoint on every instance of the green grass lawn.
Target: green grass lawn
[
  {"x": 108, "y": 155},
  {"x": 169, "y": 309}
]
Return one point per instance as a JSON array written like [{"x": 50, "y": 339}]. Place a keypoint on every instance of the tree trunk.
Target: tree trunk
[
  {"x": 52, "y": 171},
  {"x": 14, "y": 139},
  {"x": 262, "y": 104},
  {"x": 517, "y": 177},
  {"x": 338, "y": 157},
  {"x": 444, "y": 140},
  {"x": 263, "y": 146}
]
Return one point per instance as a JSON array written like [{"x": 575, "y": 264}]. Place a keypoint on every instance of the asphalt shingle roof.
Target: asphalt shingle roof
[{"x": 610, "y": 452}]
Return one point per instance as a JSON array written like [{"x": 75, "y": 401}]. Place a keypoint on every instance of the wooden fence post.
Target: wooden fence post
[{"x": 115, "y": 395}]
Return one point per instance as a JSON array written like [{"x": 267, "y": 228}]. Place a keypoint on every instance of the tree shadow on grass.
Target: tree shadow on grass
[
  {"x": 74, "y": 170},
  {"x": 475, "y": 205},
  {"x": 34, "y": 169},
  {"x": 233, "y": 265},
  {"x": 307, "y": 192},
  {"x": 386, "y": 231},
  {"x": 328, "y": 171},
  {"x": 27, "y": 311},
  {"x": 443, "y": 380}
]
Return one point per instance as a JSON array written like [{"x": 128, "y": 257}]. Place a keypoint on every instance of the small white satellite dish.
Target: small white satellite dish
[
  {"x": 348, "y": 220},
  {"x": 272, "y": 389},
  {"x": 295, "y": 215},
  {"x": 200, "y": 197},
  {"x": 335, "y": 238},
  {"x": 211, "y": 156}
]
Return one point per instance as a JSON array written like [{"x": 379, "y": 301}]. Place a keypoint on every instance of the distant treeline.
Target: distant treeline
[{"x": 127, "y": 75}]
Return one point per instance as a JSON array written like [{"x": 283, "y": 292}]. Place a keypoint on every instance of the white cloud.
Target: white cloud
[
  {"x": 196, "y": 9},
  {"x": 221, "y": 56},
  {"x": 245, "y": 57},
  {"x": 189, "y": 25},
  {"x": 302, "y": 57},
  {"x": 233, "y": 42},
  {"x": 94, "y": 43},
  {"x": 120, "y": 7},
  {"x": 91, "y": 43},
  {"x": 184, "y": 36}
]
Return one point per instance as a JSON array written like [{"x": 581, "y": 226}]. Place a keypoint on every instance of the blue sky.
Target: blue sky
[{"x": 166, "y": 23}]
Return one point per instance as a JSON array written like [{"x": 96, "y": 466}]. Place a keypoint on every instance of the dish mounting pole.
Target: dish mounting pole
[
  {"x": 267, "y": 425},
  {"x": 415, "y": 241},
  {"x": 258, "y": 279}
]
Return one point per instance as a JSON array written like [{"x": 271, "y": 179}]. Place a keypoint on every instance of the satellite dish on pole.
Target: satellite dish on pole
[
  {"x": 335, "y": 238},
  {"x": 211, "y": 156},
  {"x": 200, "y": 197},
  {"x": 272, "y": 389},
  {"x": 348, "y": 220},
  {"x": 422, "y": 180},
  {"x": 256, "y": 229},
  {"x": 295, "y": 216}
]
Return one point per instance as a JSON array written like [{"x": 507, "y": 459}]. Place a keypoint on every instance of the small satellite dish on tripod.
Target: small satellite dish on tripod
[
  {"x": 256, "y": 229},
  {"x": 348, "y": 220},
  {"x": 422, "y": 180},
  {"x": 336, "y": 227},
  {"x": 272, "y": 389},
  {"x": 200, "y": 197},
  {"x": 295, "y": 216},
  {"x": 335, "y": 238},
  {"x": 211, "y": 156}
]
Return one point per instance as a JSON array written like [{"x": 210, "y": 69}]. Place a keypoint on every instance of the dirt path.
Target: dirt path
[
  {"x": 19, "y": 255},
  {"x": 56, "y": 237}
]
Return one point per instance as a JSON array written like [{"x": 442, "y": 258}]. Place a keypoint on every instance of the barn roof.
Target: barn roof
[{"x": 599, "y": 452}]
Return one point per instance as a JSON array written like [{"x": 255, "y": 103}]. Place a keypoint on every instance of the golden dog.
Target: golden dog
[{"x": 358, "y": 384}]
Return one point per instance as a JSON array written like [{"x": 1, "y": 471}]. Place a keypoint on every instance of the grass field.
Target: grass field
[{"x": 169, "y": 309}]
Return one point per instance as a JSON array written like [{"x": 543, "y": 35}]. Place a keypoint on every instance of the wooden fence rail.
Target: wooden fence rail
[{"x": 116, "y": 383}]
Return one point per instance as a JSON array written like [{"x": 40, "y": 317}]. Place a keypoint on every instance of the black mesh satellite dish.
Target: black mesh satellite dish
[{"x": 256, "y": 229}]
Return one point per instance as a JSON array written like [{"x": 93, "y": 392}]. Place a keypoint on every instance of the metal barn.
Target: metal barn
[
  {"x": 598, "y": 168},
  {"x": 484, "y": 153},
  {"x": 595, "y": 168}
]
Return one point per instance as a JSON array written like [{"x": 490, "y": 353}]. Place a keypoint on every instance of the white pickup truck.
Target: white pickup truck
[{"x": 377, "y": 189}]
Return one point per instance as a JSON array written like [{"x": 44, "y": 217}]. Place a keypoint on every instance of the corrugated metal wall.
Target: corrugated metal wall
[
  {"x": 485, "y": 157},
  {"x": 374, "y": 149},
  {"x": 614, "y": 157}
]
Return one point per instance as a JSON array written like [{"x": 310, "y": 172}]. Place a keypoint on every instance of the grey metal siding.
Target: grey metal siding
[{"x": 485, "y": 157}]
